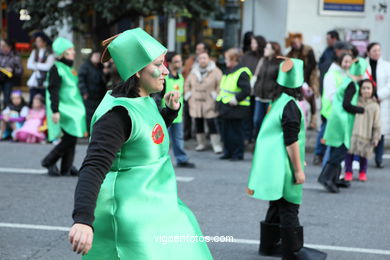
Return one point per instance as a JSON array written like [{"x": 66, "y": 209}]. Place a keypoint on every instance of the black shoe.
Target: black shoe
[
  {"x": 185, "y": 165},
  {"x": 328, "y": 178},
  {"x": 225, "y": 157},
  {"x": 270, "y": 243},
  {"x": 292, "y": 246},
  {"x": 317, "y": 160},
  {"x": 72, "y": 172},
  {"x": 53, "y": 171},
  {"x": 235, "y": 159},
  {"x": 343, "y": 183},
  {"x": 380, "y": 165}
]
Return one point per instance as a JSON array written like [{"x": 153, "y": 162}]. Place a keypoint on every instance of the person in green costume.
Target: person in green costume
[
  {"x": 277, "y": 172},
  {"x": 65, "y": 112},
  {"x": 126, "y": 202},
  {"x": 338, "y": 129},
  {"x": 175, "y": 82}
]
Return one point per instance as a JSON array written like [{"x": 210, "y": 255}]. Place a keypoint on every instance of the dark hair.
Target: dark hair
[
  {"x": 334, "y": 35},
  {"x": 10, "y": 43},
  {"x": 292, "y": 92},
  {"x": 261, "y": 43},
  {"x": 128, "y": 88},
  {"x": 205, "y": 46},
  {"x": 277, "y": 49},
  {"x": 361, "y": 82},
  {"x": 169, "y": 56},
  {"x": 43, "y": 36},
  {"x": 371, "y": 45},
  {"x": 247, "y": 41},
  {"x": 339, "y": 60}
]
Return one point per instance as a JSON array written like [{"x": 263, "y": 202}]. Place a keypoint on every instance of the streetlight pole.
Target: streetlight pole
[{"x": 232, "y": 18}]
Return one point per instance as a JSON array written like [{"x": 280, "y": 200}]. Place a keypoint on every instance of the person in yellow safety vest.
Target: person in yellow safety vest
[
  {"x": 335, "y": 77},
  {"x": 233, "y": 104}
]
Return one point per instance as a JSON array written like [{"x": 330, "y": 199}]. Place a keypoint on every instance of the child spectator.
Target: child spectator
[
  {"x": 13, "y": 116},
  {"x": 29, "y": 132},
  {"x": 366, "y": 131}
]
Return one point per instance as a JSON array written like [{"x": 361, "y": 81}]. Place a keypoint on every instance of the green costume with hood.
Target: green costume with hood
[
  {"x": 272, "y": 173},
  {"x": 340, "y": 123},
  {"x": 71, "y": 105},
  {"x": 138, "y": 209}
]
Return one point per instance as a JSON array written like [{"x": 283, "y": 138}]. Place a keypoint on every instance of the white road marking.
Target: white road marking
[
  {"x": 23, "y": 170},
  {"x": 312, "y": 186},
  {"x": 44, "y": 171},
  {"x": 235, "y": 240},
  {"x": 386, "y": 156},
  {"x": 325, "y": 247}
]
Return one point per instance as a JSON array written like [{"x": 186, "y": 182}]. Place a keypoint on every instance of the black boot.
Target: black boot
[
  {"x": 292, "y": 246},
  {"x": 328, "y": 178},
  {"x": 270, "y": 244},
  {"x": 67, "y": 168},
  {"x": 341, "y": 183},
  {"x": 49, "y": 162}
]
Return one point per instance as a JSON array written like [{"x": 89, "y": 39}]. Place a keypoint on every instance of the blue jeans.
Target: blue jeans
[
  {"x": 325, "y": 159},
  {"x": 176, "y": 136},
  {"x": 320, "y": 148},
  {"x": 258, "y": 115},
  {"x": 379, "y": 150}
]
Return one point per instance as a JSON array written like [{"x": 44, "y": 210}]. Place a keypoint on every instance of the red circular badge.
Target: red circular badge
[{"x": 157, "y": 134}]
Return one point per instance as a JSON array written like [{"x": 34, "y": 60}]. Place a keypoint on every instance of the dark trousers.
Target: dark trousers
[
  {"x": 337, "y": 155},
  {"x": 258, "y": 116},
  {"x": 211, "y": 123},
  {"x": 248, "y": 122},
  {"x": 379, "y": 150},
  {"x": 283, "y": 213},
  {"x": 187, "y": 121},
  {"x": 6, "y": 87},
  {"x": 349, "y": 160},
  {"x": 34, "y": 91},
  {"x": 233, "y": 138},
  {"x": 65, "y": 151}
]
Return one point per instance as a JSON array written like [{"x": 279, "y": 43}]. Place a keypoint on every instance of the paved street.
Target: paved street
[{"x": 351, "y": 225}]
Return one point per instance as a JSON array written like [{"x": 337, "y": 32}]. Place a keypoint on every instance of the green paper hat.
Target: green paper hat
[
  {"x": 359, "y": 67},
  {"x": 132, "y": 51},
  {"x": 290, "y": 73},
  {"x": 60, "y": 45}
]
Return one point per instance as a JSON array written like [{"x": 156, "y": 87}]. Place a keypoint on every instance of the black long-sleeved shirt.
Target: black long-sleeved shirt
[
  {"x": 291, "y": 123},
  {"x": 108, "y": 135},
  {"x": 348, "y": 95},
  {"x": 55, "y": 84}
]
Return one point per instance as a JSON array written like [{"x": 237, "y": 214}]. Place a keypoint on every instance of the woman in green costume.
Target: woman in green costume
[
  {"x": 338, "y": 129},
  {"x": 277, "y": 170},
  {"x": 65, "y": 111},
  {"x": 126, "y": 203}
]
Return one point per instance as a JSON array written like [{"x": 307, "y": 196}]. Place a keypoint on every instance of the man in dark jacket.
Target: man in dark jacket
[
  {"x": 328, "y": 56},
  {"x": 92, "y": 85}
]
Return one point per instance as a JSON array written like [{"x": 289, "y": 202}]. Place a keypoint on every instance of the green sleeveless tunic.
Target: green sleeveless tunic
[
  {"x": 172, "y": 84},
  {"x": 138, "y": 200},
  {"x": 339, "y": 127},
  {"x": 272, "y": 173},
  {"x": 71, "y": 106}
]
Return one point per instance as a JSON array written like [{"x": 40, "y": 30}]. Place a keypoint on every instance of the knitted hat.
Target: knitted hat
[
  {"x": 132, "y": 51},
  {"x": 359, "y": 67},
  {"x": 290, "y": 73},
  {"x": 60, "y": 45}
]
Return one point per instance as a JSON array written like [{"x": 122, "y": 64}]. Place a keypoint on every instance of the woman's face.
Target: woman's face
[
  {"x": 203, "y": 60},
  {"x": 95, "y": 58},
  {"x": 254, "y": 45},
  {"x": 5, "y": 47},
  {"x": 346, "y": 62},
  {"x": 366, "y": 89},
  {"x": 40, "y": 43},
  {"x": 152, "y": 76},
  {"x": 268, "y": 51},
  {"x": 70, "y": 54},
  {"x": 16, "y": 100},
  {"x": 375, "y": 52},
  {"x": 230, "y": 63}
]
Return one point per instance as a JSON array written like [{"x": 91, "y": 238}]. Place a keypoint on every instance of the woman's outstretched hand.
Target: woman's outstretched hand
[
  {"x": 172, "y": 100},
  {"x": 81, "y": 236}
]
